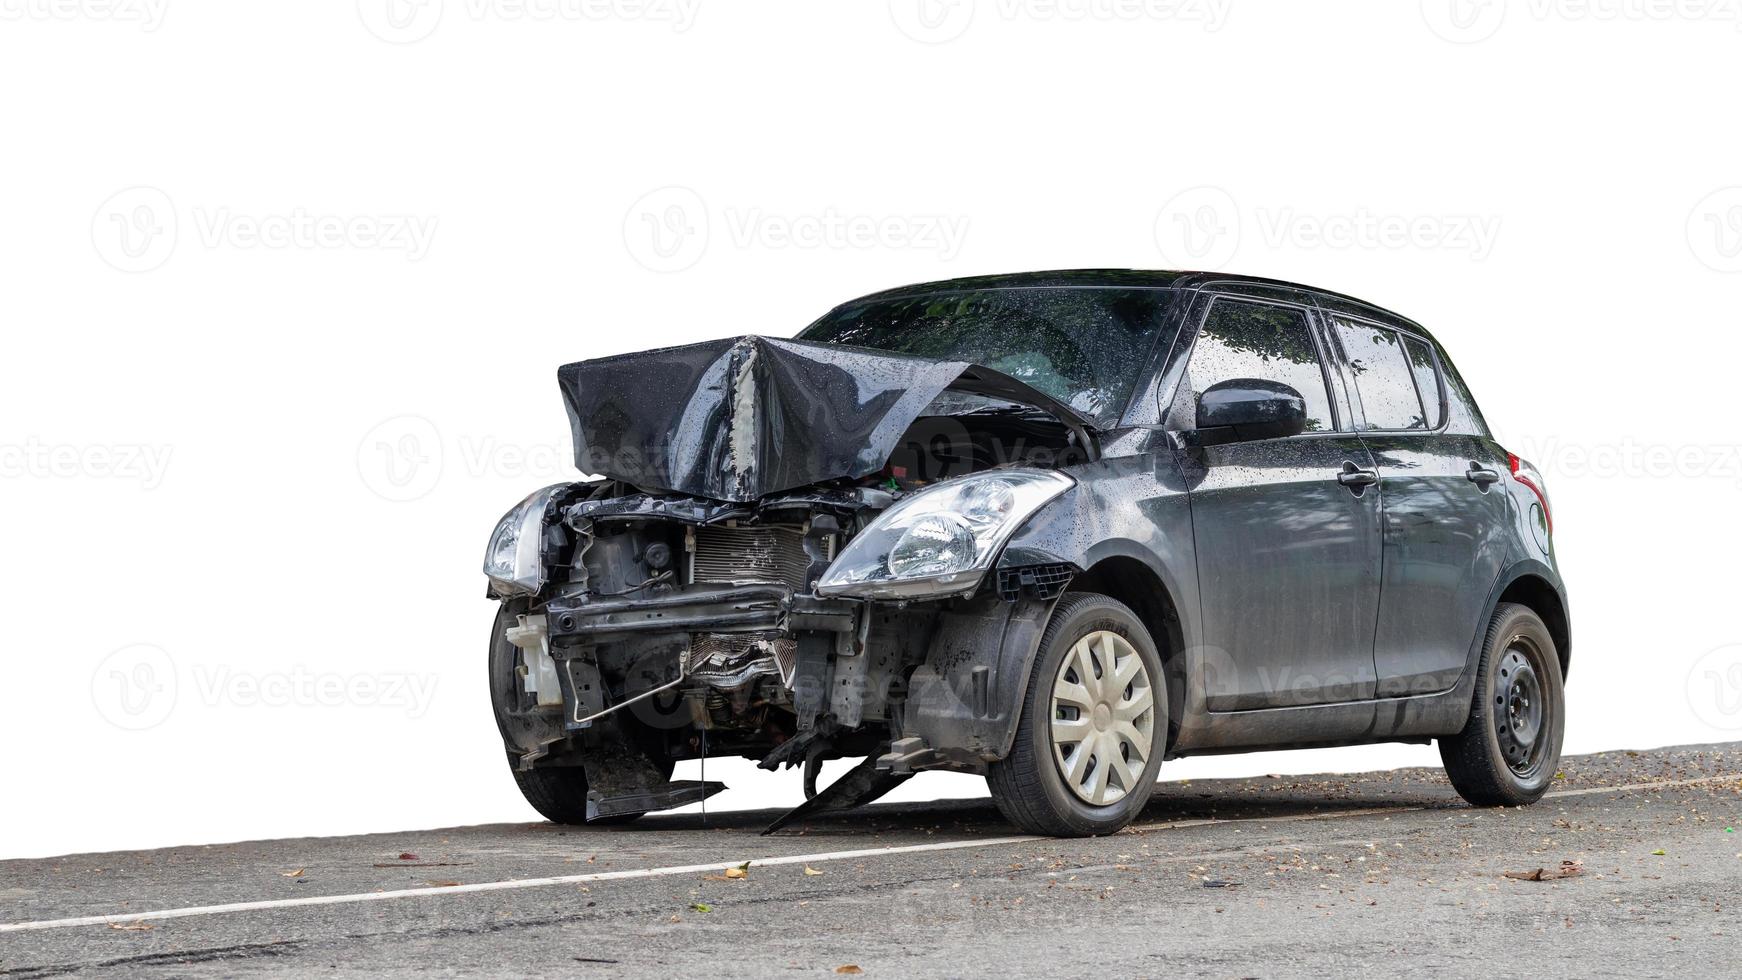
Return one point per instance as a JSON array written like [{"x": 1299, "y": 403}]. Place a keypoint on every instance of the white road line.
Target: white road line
[
  {"x": 1660, "y": 784},
  {"x": 691, "y": 869}
]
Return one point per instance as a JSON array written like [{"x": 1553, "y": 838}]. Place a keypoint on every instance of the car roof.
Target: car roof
[{"x": 1115, "y": 279}]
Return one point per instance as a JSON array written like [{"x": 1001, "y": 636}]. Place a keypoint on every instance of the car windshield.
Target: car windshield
[{"x": 1084, "y": 347}]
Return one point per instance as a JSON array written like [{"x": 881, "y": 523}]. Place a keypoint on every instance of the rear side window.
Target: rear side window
[
  {"x": 1257, "y": 340},
  {"x": 1384, "y": 378},
  {"x": 1427, "y": 378}
]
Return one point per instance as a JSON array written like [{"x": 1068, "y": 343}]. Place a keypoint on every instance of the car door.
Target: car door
[
  {"x": 1286, "y": 533},
  {"x": 1443, "y": 507}
]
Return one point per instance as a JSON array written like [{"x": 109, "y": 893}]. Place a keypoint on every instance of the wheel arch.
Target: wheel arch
[
  {"x": 1535, "y": 586},
  {"x": 1137, "y": 585}
]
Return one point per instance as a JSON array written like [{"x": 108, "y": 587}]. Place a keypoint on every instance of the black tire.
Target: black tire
[
  {"x": 1487, "y": 762},
  {"x": 558, "y": 793},
  {"x": 1027, "y": 785}
]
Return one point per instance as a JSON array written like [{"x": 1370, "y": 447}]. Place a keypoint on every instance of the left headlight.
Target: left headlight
[
  {"x": 941, "y": 540},
  {"x": 515, "y": 559}
]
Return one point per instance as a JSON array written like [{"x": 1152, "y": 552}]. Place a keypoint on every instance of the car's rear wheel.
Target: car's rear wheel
[
  {"x": 1510, "y": 747},
  {"x": 1093, "y": 727}
]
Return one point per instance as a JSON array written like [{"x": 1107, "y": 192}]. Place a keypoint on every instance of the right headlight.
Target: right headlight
[
  {"x": 514, "y": 561},
  {"x": 942, "y": 540}
]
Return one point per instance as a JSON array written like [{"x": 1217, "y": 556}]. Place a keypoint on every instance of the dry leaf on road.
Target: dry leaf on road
[{"x": 1568, "y": 869}]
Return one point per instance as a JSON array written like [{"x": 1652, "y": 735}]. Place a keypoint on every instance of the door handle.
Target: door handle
[
  {"x": 1357, "y": 479},
  {"x": 1482, "y": 476}
]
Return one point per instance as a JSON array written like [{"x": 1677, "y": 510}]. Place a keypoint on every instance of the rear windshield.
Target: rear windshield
[{"x": 1085, "y": 347}]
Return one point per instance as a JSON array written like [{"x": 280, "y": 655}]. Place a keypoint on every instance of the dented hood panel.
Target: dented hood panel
[{"x": 740, "y": 418}]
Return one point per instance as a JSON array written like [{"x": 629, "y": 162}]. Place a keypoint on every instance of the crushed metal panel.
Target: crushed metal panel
[{"x": 742, "y": 418}]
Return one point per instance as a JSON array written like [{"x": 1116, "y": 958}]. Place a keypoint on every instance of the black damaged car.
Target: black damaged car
[{"x": 1053, "y": 528}]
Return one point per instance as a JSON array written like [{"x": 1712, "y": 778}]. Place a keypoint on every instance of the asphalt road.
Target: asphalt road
[{"x": 1277, "y": 877}]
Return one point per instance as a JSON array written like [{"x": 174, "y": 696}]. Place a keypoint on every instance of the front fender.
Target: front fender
[{"x": 1126, "y": 512}]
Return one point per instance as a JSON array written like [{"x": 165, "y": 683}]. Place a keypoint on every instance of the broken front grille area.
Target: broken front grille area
[{"x": 768, "y": 554}]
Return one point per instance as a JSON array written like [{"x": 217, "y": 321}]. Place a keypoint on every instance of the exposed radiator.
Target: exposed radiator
[{"x": 762, "y": 555}]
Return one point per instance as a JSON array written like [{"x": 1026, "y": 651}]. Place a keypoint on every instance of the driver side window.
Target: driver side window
[{"x": 1242, "y": 339}]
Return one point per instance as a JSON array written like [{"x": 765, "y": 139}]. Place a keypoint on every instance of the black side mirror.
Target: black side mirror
[{"x": 1245, "y": 409}]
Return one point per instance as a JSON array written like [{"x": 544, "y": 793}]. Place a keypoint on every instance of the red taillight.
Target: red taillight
[{"x": 1526, "y": 474}]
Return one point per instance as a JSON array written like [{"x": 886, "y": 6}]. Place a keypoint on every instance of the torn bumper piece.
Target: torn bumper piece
[{"x": 622, "y": 782}]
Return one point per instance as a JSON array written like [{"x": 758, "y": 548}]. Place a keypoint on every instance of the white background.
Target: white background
[{"x": 285, "y": 287}]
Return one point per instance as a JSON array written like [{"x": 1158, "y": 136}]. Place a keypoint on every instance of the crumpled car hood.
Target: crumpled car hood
[{"x": 741, "y": 418}]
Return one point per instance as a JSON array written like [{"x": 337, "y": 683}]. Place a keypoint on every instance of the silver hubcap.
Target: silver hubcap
[{"x": 1103, "y": 718}]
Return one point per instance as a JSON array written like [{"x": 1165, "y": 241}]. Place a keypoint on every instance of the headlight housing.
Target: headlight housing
[
  {"x": 942, "y": 540},
  {"x": 514, "y": 562}
]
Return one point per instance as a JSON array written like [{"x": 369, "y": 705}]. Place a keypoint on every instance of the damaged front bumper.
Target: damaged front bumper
[
  {"x": 749, "y": 581},
  {"x": 685, "y": 633}
]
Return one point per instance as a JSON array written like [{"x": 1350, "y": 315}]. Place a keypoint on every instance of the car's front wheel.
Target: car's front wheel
[
  {"x": 1093, "y": 727},
  {"x": 1511, "y": 745},
  {"x": 558, "y": 793}
]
